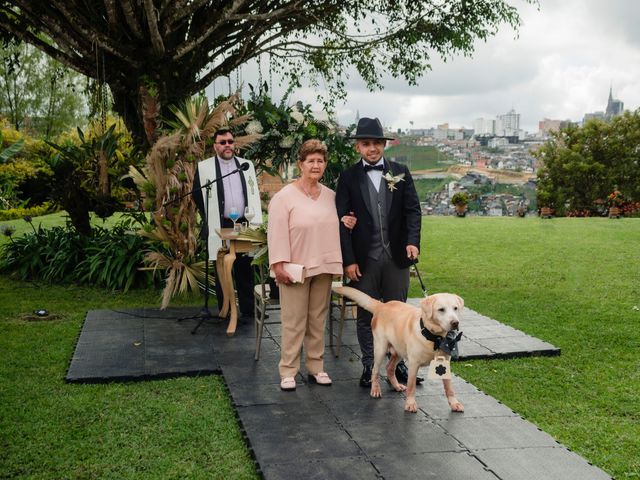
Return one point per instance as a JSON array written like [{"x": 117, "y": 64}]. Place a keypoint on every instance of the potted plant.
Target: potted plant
[
  {"x": 616, "y": 202},
  {"x": 545, "y": 204},
  {"x": 460, "y": 201}
]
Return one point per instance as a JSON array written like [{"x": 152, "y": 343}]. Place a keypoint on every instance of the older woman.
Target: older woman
[{"x": 303, "y": 230}]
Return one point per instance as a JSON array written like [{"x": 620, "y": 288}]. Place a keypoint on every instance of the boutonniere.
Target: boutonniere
[{"x": 392, "y": 180}]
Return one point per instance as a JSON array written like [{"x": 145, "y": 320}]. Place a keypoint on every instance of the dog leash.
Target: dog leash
[{"x": 415, "y": 266}]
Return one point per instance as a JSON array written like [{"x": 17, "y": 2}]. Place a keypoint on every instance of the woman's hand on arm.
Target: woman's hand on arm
[{"x": 349, "y": 220}]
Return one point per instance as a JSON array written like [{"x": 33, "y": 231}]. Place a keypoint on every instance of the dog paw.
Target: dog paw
[
  {"x": 375, "y": 391},
  {"x": 398, "y": 387},
  {"x": 411, "y": 406},
  {"x": 455, "y": 405}
]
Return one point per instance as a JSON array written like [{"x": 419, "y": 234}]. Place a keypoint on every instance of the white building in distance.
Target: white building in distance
[
  {"x": 508, "y": 125},
  {"x": 484, "y": 126}
]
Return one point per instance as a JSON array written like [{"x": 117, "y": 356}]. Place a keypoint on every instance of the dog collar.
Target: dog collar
[
  {"x": 448, "y": 344},
  {"x": 432, "y": 337}
]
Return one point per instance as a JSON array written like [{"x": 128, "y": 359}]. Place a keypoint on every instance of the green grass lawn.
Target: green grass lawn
[
  {"x": 419, "y": 157},
  {"x": 58, "y": 219},
  {"x": 574, "y": 283},
  {"x": 571, "y": 282},
  {"x": 178, "y": 428}
]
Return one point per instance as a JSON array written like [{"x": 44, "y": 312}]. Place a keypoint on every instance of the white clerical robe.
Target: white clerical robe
[{"x": 207, "y": 171}]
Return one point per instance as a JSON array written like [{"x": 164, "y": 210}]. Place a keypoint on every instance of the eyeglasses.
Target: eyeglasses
[{"x": 225, "y": 142}]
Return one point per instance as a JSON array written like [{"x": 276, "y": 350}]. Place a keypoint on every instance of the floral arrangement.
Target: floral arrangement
[
  {"x": 283, "y": 127},
  {"x": 392, "y": 180}
]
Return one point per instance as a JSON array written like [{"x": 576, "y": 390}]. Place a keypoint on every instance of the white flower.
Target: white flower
[
  {"x": 286, "y": 142},
  {"x": 297, "y": 116},
  {"x": 253, "y": 127},
  {"x": 392, "y": 180}
]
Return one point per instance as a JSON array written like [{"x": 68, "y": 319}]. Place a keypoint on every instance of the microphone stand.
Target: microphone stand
[{"x": 205, "y": 313}]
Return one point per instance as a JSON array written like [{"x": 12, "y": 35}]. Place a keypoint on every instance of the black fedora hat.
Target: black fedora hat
[{"x": 369, "y": 128}]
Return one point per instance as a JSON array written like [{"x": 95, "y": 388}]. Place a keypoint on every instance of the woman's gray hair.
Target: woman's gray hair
[{"x": 312, "y": 146}]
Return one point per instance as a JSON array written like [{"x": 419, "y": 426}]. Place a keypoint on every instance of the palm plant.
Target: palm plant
[
  {"x": 166, "y": 181},
  {"x": 82, "y": 175}
]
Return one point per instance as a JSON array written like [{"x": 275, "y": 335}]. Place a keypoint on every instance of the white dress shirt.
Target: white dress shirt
[{"x": 375, "y": 175}]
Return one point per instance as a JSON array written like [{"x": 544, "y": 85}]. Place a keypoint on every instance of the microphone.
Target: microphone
[{"x": 244, "y": 166}]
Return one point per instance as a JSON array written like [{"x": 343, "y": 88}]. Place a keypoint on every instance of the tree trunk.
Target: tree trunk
[
  {"x": 103, "y": 175},
  {"x": 125, "y": 104},
  {"x": 140, "y": 110},
  {"x": 78, "y": 206},
  {"x": 150, "y": 107}
]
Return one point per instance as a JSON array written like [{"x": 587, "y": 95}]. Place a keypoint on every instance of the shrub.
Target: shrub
[
  {"x": 460, "y": 198},
  {"x": 14, "y": 213},
  {"x": 108, "y": 257}
]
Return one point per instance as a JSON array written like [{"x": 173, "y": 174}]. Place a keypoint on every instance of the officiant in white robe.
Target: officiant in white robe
[{"x": 233, "y": 192}]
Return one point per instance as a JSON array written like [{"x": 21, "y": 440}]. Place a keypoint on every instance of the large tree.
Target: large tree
[
  {"x": 583, "y": 166},
  {"x": 159, "y": 52}
]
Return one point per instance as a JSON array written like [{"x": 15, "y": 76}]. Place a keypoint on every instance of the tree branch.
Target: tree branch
[
  {"x": 130, "y": 19},
  {"x": 112, "y": 14},
  {"x": 156, "y": 39},
  {"x": 74, "y": 62},
  {"x": 79, "y": 24},
  {"x": 181, "y": 9}
]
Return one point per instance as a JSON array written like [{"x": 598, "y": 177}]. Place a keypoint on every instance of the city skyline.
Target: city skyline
[{"x": 566, "y": 58}]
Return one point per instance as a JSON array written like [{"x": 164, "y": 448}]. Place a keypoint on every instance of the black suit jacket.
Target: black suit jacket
[{"x": 403, "y": 213}]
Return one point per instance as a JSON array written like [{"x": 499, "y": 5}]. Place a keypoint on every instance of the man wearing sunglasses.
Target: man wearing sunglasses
[{"x": 229, "y": 195}]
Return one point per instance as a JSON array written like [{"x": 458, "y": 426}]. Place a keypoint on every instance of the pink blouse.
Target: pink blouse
[{"x": 305, "y": 231}]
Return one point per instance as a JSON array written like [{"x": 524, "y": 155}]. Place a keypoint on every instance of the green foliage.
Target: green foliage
[
  {"x": 37, "y": 93},
  {"x": 113, "y": 258},
  {"x": 192, "y": 43},
  {"x": 284, "y": 128},
  {"x": 50, "y": 255},
  {"x": 22, "y": 169},
  {"x": 583, "y": 165},
  {"x": 84, "y": 173},
  {"x": 9, "y": 152},
  {"x": 107, "y": 258},
  {"x": 14, "y": 213},
  {"x": 460, "y": 198}
]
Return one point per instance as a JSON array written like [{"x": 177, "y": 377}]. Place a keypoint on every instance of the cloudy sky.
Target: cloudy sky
[{"x": 566, "y": 56}]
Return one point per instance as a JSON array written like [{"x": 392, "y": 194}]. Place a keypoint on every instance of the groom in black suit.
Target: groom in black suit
[{"x": 377, "y": 253}]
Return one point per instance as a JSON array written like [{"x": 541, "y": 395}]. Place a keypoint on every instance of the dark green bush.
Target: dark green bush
[
  {"x": 112, "y": 259},
  {"x": 107, "y": 258}
]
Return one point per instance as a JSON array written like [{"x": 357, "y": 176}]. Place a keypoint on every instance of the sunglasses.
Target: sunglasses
[{"x": 225, "y": 142}]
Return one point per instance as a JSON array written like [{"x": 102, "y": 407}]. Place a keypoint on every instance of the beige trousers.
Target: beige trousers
[{"x": 304, "y": 308}]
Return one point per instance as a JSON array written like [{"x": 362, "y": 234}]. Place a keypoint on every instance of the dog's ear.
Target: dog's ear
[
  {"x": 427, "y": 306},
  {"x": 460, "y": 302}
]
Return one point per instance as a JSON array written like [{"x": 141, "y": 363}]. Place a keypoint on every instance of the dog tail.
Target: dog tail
[{"x": 362, "y": 299}]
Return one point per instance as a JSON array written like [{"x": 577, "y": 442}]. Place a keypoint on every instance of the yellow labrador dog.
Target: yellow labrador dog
[{"x": 398, "y": 328}]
